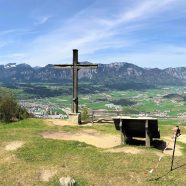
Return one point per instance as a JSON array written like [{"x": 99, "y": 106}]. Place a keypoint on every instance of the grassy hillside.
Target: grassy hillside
[{"x": 87, "y": 164}]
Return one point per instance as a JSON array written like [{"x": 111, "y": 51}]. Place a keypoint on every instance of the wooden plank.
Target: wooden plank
[
  {"x": 123, "y": 133},
  {"x": 75, "y": 82},
  {"x": 147, "y": 134},
  {"x": 104, "y": 113}
]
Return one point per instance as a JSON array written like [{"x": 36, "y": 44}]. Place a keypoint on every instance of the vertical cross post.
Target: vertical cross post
[
  {"x": 76, "y": 66},
  {"x": 75, "y": 82}
]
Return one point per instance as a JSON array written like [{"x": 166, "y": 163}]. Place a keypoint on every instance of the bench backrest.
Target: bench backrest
[{"x": 105, "y": 113}]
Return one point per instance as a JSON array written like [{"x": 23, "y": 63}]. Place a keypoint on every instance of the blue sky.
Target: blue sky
[{"x": 148, "y": 33}]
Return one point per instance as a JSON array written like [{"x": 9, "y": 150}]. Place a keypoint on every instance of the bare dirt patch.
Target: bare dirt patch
[
  {"x": 128, "y": 150},
  {"x": 5, "y": 156},
  {"x": 59, "y": 122},
  {"x": 170, "y": 146},
  {"x": 182, "y": 138},
  {"x": 14, "y": 145},
  {"x": 9, "y": 158},
  {"x": 108, "y": 141},
  {"x": 89, "y": 136},
  {"x": 45, "y": 175}
]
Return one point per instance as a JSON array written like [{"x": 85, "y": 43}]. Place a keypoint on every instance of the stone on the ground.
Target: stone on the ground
[
  {"x": 45, "y": 175},
  {"x": 14, "y": 145},
  {"x": 67, "y": 181}
]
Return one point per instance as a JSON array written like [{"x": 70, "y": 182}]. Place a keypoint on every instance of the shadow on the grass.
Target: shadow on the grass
[
  {"x": 158, "y": 144},
  {"x": 160, "y": 177}
]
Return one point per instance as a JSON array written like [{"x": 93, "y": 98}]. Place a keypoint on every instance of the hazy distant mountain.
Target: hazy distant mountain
[{"x": 113, "y": 75}]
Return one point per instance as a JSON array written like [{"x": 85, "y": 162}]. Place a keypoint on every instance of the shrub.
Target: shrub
[
  {"x": 130, "y": 111},
  {"x": 84, "y": 114},
  {"x": 10, "y": 110}
]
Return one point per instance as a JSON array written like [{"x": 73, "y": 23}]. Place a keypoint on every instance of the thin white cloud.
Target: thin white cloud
[
  {"x": 143, "y": 10},
  {"x": 162, "y": 56},
  {"x": 14, "y": 57},
  {"x": 13, "y": 31},
  {"x": 41, "y": 20},
  {"x": 4, "y": 43}
]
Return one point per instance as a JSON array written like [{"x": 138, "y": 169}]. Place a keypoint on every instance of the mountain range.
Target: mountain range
[{"x": 113, "y": 75}]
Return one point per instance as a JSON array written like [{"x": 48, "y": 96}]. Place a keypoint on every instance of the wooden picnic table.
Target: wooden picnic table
[{"x": 140, "y": 127}]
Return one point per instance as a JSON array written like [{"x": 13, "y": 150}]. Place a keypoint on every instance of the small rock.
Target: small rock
[
  {"x": 67, "y": 181},
  {"x": 45, "y": 175},
  {"x": 14, "y": 145}
]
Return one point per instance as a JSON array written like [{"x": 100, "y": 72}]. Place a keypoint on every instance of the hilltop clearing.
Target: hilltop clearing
[{"x": 91, "y": 154}]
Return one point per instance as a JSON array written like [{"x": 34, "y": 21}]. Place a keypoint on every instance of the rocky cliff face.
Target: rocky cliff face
[
  {"x": 179, "y": 73},
  {"x": 106, "y": 73}
]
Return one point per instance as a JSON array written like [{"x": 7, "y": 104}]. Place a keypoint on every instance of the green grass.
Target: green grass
[
  {"x": 87, "y": 164},
  {"x": 172, "y": 122}
]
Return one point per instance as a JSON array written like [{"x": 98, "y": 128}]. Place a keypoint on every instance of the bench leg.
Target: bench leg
[
  {"x": 124, "y": 138},
  {"x": 123, "y": 134},
  {"x": 92, "y": 117},
  {"x": 147, "y": 135}
]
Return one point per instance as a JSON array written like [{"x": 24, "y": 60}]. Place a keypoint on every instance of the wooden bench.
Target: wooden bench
[
  {"x": 105, "y": 114},
  {"x": 140, "y": 127}
]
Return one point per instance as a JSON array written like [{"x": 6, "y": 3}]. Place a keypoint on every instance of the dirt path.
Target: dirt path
[
  {"x": 128, "y": 150},
  {"x": 182, "y": 138},
  {"x": 59, "y": 122},
  {"x": 89, "y": 136},
  {"x": 108, "y": 141},
  {"x": 170, "y": 146}
]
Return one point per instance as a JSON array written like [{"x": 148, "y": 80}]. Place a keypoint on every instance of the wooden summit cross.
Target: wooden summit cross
[{"x": 75, "y": 67}]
